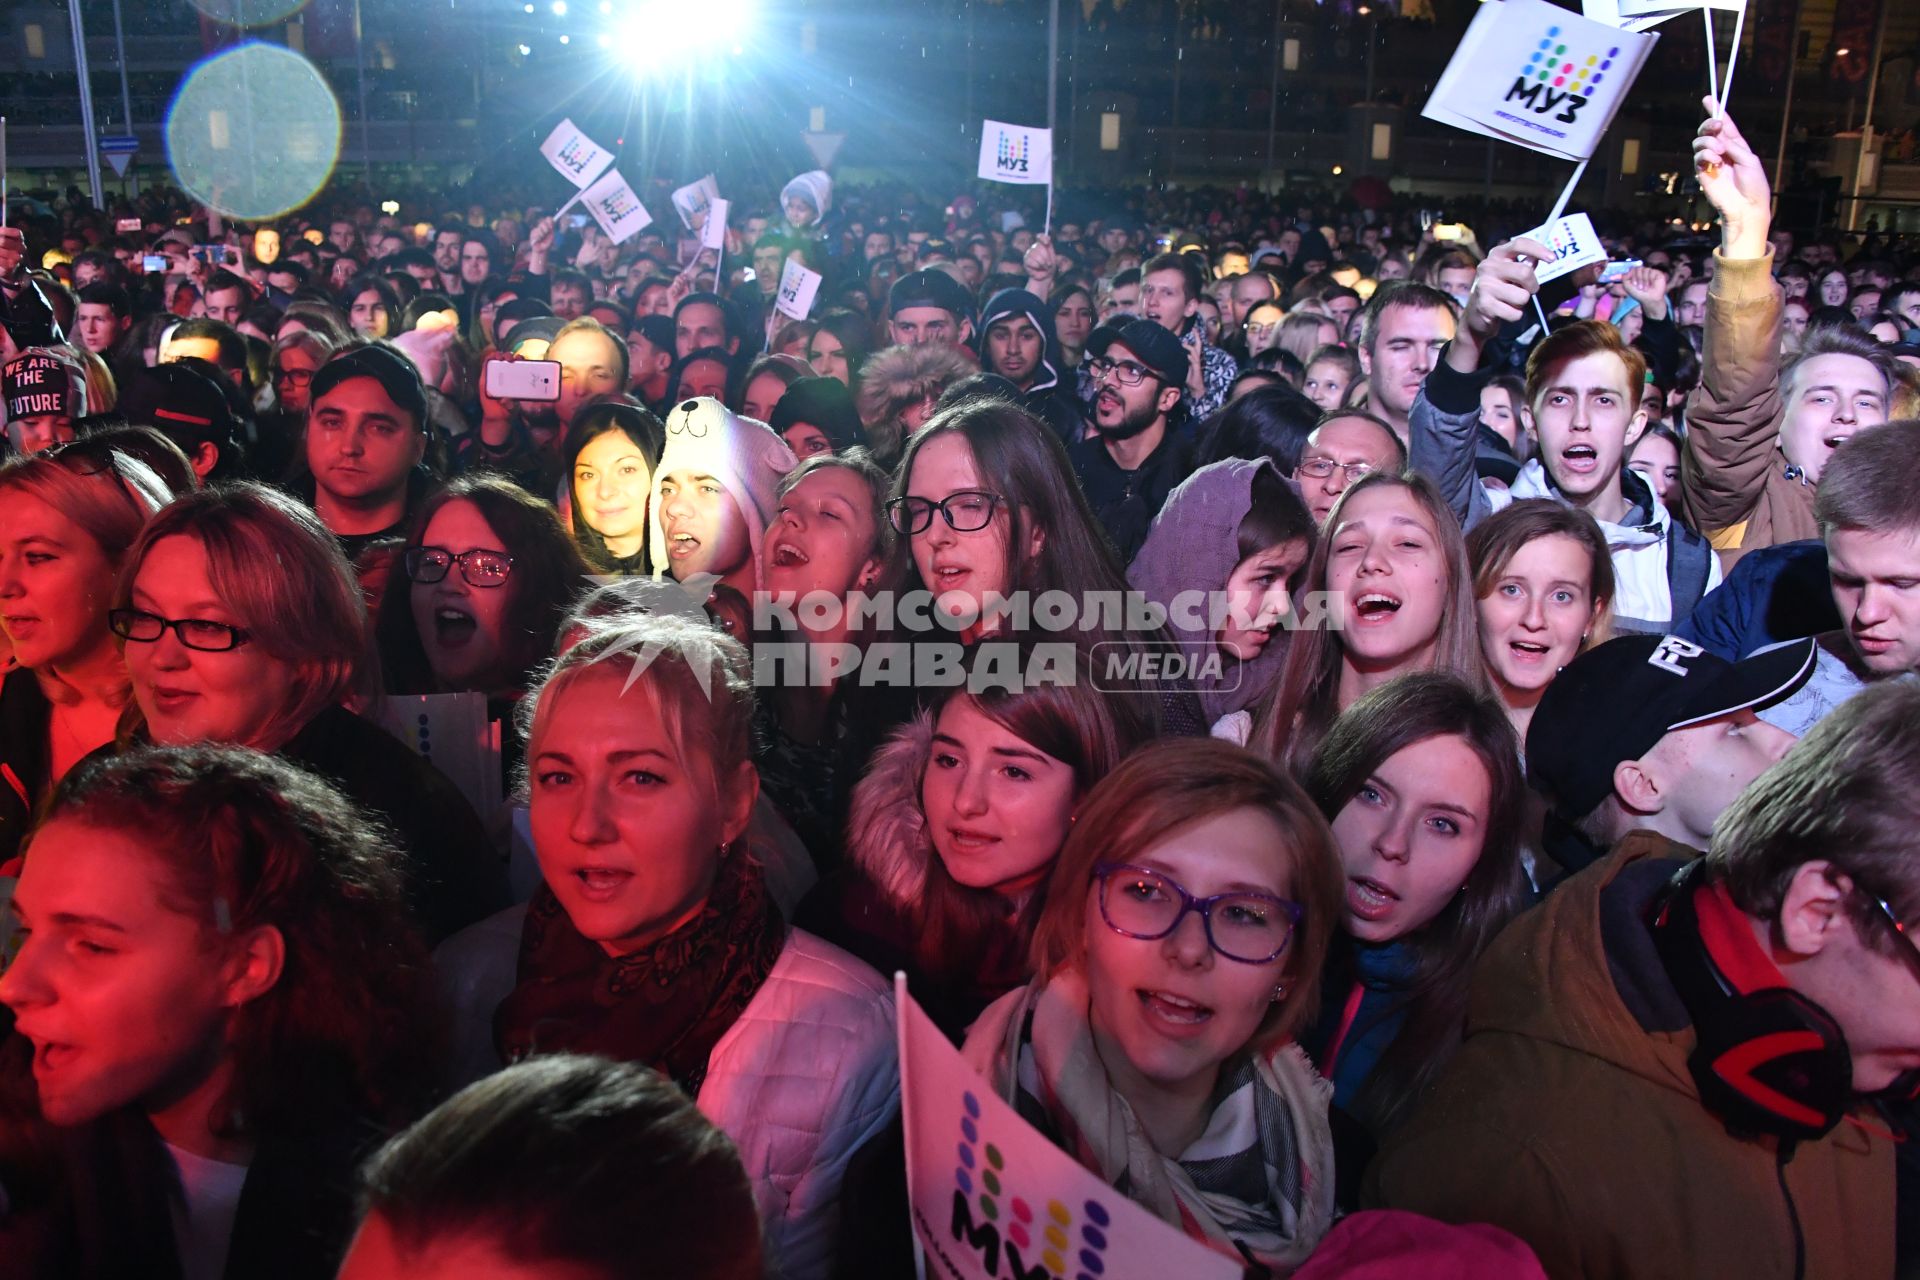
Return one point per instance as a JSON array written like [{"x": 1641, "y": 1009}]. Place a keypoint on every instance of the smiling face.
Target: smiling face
[
  {"x": 1166, "y": 1013},
  {"x": 1876, "y": 586},
  {"x": 463, "y": 628},
  {"x": 56, "y": 585},
  {"x": 1257, "y": 598},
  {"x": 704, "y": 530},
  {"x": 997, "y": 808},
  {"x": 1586, "y": 418},
  {"x": 1389, "y": 573},
  {"x": 1829, "y": 397},
  {"x": 1410, "y": 837},
  {"x": 1539, "y": 612},
  {"x": 611, "y": 481},
  {"x": 189, "y": 695},
  {"x": 960, "y": 568},
  {"x": 824, "y": 536},
  {"x": 102, "y": 953},
  {"x": 628, "y": 821}
]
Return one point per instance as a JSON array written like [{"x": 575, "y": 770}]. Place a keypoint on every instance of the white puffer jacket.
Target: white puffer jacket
[{"x": 806, "y": 1076}]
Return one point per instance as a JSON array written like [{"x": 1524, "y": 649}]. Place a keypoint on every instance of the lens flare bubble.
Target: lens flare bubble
[
  {"x": 248, "y": 13},
  {"x": 254, "y": 132}
]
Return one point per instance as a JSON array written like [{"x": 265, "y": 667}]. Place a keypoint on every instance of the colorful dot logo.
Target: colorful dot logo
[
  {"x": 1576, "y": 72},
  {"x": 1049, "y": 1229}
]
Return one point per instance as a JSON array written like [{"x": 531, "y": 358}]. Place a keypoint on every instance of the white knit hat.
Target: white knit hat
[{"x": 744, "y": 455}]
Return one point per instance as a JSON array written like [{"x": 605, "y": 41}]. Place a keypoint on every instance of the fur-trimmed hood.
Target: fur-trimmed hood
[{"x": 887, "y": 834}]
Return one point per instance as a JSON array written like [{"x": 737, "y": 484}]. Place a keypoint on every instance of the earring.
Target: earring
[{"x": 1280, "y": 993}]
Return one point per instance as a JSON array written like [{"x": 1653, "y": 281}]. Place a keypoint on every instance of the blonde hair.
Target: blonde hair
[
  {"x": 1173, "y": 784},
  {"x": 107, "y": 494}
]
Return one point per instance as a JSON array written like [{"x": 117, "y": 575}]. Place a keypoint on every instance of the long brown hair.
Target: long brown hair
[
  {"x": 251, "y": 841},
  {"x": 1304, "y": 702},
  {"x": 1169, "y": 785},
  {"x": 1493, "y": 543},
  {"x": 1407, "y": 710}
]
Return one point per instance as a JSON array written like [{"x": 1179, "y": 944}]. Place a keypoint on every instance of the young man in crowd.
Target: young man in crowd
[
  {"x": 366, "y": 436},
  {"x": 929, "y": 306},
  {"x": 1868, "y": 509},
  {"x": 650, "y": 346},
  {"x": 1760, "y": 431},
  {"x": 102, "y": 319},
  {"x": 1170, "y": 289},
  {"x": 703, "y": 320},
  {"x": 1654, "y": 733},
  {"x": 227, "y": 296},
  {"x": 187, "y": 402},
  {"x": 1135, "y": 457},
  {"x": 1583, "y": 386},
  {"x": 1017, "y": 342},
  {"x": 1402, "y": 333},
  {"x": 1671, "y": 1066}
]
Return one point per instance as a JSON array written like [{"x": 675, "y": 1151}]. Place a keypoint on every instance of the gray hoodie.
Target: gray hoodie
[{"x": 1194, "y": 545}]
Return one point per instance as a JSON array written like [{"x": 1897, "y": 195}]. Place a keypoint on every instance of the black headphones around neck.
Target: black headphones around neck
[{"x": 1766, "y": 1062}]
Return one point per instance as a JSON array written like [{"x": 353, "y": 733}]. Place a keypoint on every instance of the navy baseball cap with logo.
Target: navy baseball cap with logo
[{"x": 1616, "y": 701}]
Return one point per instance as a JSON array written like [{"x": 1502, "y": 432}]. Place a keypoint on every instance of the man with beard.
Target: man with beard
[
  {"x": 1017, "y": 342},
  {"x": 1133, "y": 460}
]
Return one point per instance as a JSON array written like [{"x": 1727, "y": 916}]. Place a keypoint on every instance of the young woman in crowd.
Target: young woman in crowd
[
  {"x": 1179, "y": 952},
  {"x": 1421, "y": 782},
  {"x": 1303, "y": 333},
  {"x": 223, "y": 1005},
  {"x": 815, "y": 416},
  {"x": 767, "y": 380},
  {"x": 1393, "y": 569},
  {"x": 241, "y": 623},
  {"x": 654, "y": 939},
  {"x": 1543, "y": 580},
  {"x": 1074, "y": 310},
  {"x": 713, "y": 495},
  {"x": 489, "y": 575},
  {"x": 1832, "y": 288},
  {"x": 829, "y": 537},
  {"x": 1503, "y": 411},
  {"x": 1272, "y": 421},
  {"x": 67, "y": 517},
  {"x": 1656, "y": 456},
  {"x": 840, "y": 346},
  {"x": 954, "y": 830},
  {"x": 372, "y": 307},
  {"x": 611, "y": 451},
  {"x": 319, "y": 317},
  {"x": 1236, "y": 535},
  {"x": 1332, "y": 374},
  {"x": 558, "y": 1165}
]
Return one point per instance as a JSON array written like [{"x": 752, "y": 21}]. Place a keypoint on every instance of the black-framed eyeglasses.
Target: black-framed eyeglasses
[
  {"x": 195, "y": 633},
  {"x": 1125, "y": 372},
  {"x": 293, "y": 377},
  {"x": 1321, "y": 468},
  {"x": 1252, "y": 928},
  {"x": 967, "y": 511},
  {"x": 479, "y": 568},
  {"x": 1904, "y": 942}
]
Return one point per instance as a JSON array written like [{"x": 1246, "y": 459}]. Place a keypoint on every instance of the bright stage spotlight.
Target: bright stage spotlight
[{"x": 656, "y": 31}]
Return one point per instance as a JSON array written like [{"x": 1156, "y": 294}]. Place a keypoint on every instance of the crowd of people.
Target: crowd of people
[{"x": 1513, "y": 681}]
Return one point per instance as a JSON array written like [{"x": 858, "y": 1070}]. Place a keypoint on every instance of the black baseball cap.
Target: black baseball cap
[
  {"x": 386, "y": 366},
  {"x": 1155, "y": 344},
  {"x": 1614, "y": 702},
  {"x": 180, "y": 401},
  {"x": 930, "y": 287}
]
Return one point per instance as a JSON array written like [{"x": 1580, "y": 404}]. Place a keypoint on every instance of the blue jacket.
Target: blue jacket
[{"x": 1771, "y": 595}]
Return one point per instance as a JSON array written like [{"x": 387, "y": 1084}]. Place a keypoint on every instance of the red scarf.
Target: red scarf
[{"x": 666, "y": 1005}]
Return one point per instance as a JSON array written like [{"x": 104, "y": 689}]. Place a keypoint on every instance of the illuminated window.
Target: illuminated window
[
  {"x": 1109, "y": 130},
  {"x": 817, "y": 119},
  {"x": 1382, "y": 142},
  {"x": 1630, "y": 157},
  {"x": 36, "y": 36},
  {"x": 1290, "y": 55}
]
